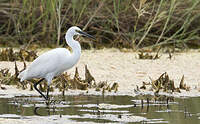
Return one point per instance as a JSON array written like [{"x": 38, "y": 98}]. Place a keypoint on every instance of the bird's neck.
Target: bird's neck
[{"x": 75, "y": 45}]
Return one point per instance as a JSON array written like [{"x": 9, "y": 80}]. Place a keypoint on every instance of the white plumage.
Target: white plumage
[
  {"x": 50, "y": 64},
  {"x": 56, "y": 61}
]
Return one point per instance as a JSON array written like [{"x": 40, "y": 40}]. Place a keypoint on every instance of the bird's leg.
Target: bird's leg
[
  {"x": 35, "y": 86},
  {"x": 48, "y": 99},
  {"x": 48, "y": 93}
]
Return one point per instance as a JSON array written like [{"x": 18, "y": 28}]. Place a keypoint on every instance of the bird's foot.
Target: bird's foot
[{"x": 48, "y": 101}]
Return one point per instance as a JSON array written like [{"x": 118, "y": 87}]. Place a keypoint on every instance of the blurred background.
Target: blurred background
[{"x": 115, "y": 23}]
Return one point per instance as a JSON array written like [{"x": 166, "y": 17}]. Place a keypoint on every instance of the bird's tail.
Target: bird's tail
[{"x": 22, "y": 76}]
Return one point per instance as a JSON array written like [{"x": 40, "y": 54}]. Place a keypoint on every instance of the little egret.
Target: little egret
[{"x": 54, "y": 62}]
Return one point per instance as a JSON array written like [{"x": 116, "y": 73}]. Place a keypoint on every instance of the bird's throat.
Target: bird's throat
[{"x": 75, "y": 48}]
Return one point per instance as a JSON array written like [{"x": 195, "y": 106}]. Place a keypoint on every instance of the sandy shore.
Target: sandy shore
[{"x": 125, "y": 69}]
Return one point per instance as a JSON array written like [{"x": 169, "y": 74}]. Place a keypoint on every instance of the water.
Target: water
[{"x": 99, "y": 109}]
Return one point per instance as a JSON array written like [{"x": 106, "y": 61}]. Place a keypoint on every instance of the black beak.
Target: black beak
[{"x": 86, "y": 34}]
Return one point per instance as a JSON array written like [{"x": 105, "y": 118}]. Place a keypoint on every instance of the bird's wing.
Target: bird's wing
[{"x": 49, "y": 62}]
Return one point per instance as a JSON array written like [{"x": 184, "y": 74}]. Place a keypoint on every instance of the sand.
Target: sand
[
  {"x": 128, "y": 71},
  {"x": 121, "y": 67}
]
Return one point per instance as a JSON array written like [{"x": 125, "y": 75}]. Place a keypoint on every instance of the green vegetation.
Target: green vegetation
[{"x": 115, "y": 23}]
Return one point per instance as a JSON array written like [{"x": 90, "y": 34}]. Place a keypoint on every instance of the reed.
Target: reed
[{"x": 115, "y": 23}]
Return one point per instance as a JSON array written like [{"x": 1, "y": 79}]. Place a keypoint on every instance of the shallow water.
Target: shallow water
[{"x": 99, "y": 109}]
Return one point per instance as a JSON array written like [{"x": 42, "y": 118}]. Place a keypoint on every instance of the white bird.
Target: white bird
[{"x": 55, "y": 62}]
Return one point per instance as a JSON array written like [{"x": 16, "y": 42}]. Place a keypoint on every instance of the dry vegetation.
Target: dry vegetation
[
  {"x": 62, "y": 82},
  {"x": 115, "y": 23},
  {"x": 8, "y": 54},
  {"x": 164, "y": 84}
]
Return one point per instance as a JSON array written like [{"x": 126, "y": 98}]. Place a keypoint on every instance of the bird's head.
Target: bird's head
[{"x": 77, "y": 31}]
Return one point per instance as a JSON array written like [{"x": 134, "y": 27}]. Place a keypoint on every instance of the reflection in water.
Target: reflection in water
[
  {"x": 37, "y": 113},
  {"x": 122, "y": 109}
]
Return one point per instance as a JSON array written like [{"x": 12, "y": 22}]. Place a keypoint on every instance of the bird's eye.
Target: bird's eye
[{"x": 77, "y": 31}]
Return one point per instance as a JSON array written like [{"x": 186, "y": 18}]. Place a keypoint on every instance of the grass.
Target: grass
[{"x": 115, "y": 23}]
